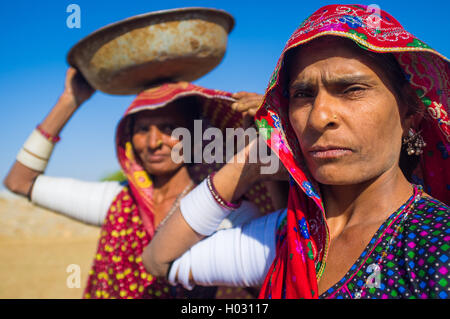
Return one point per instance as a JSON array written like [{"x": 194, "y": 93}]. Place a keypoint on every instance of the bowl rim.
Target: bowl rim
[{"x": 120, "y": 23}]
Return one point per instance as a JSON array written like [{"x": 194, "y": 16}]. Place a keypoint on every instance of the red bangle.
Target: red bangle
[
  {"x": 222, "y": 202},
  {"x": 51, "y": 138}
]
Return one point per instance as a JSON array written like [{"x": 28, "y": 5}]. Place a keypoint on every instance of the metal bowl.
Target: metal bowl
[{"x": 131, "y": 55}]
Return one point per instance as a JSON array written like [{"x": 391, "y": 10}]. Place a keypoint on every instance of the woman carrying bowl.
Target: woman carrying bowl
[
  {"x": 357, "y": 111},
  {"x": 129, "y": 214}
]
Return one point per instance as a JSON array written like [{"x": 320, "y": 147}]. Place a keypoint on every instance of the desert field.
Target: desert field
[{"x": 36, "y": 248}]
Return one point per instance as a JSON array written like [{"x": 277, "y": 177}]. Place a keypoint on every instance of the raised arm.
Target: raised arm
[
  {"x": 248, "y": 103},
  {"x": 76, "y": 90}
]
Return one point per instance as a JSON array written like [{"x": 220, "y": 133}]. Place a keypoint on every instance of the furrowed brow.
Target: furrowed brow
[
  {"x": 301, "y": 86},
  {"x": 348, "y": 80}
]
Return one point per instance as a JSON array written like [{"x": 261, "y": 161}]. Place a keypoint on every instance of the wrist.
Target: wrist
[
  {"x": 234, "y": 204},
  {"x": 52, "y": 138},
  {"x": 233, "y": 180}
]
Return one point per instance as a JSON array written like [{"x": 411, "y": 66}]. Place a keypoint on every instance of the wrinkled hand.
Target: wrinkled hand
[
  {"x": 76, "y": 87},
  {"x": 247, "y": 103}
]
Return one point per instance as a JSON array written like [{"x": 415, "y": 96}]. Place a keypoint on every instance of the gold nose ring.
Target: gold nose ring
[{"x": 159, "y": 143}]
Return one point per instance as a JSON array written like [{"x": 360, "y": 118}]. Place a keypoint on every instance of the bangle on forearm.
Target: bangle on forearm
[
  {"x": 168, "y": 271},
  {"x": 201, "y": 211},
  {"x": 179, "y": 272},
  {"x": 172, "y": 272},
  {"x": 48, "y": 136},
  {"x": 36, "y": 152},
  {"x": 219, "y": 199}
]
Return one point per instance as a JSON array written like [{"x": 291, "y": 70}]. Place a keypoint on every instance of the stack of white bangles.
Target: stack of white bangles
[
  {"x": 36, "y": 152},
  {"x": 240, "y": 256}
]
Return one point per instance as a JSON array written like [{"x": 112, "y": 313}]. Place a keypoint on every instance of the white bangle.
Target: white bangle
[
  {"x": 172, "y": 278},
  {"x": 36, "y": 152},
  {"x": 31, "y": 161},
  {"x": 180, "y": 270},
  {"x": 184, "y": 270},
  {"x": 201, "y": 211}
]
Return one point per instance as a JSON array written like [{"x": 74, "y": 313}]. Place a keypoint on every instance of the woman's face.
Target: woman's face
[
  {"x": 345, "y": 115},
  {"x": 151, "y": 138}
]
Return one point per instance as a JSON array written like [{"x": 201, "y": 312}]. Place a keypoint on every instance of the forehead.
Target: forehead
[
  {"x": 168, "y": 114},
  {"x": 329, "y": 56}
]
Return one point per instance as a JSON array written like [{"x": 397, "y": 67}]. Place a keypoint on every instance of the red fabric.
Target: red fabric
[{"x": 303, "y": 239}]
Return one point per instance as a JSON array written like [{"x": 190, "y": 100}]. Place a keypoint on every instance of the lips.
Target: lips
[
  {"x": 154, "y": 158},
  {"x": 329, "y": 151}
]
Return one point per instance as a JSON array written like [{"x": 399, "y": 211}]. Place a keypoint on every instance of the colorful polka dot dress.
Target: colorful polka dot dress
[{"x": 406, "y": 258}]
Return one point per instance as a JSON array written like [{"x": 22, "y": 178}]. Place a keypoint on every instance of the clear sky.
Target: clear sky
[{"x": 35, "y": 41}]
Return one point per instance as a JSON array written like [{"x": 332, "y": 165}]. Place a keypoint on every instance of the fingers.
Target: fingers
[
  {"x": 74, "y": 74},
  {"x": 81, "y": 80},
  {"x": 247, "y": 105},
  {"x": 242, "y": 94},
  {"x": 246, "y": 101},
  {"x": 71, "y": 71},
  {"x": 77, "y": 87},
  {"x": 70, "y": 74},
  {"x": 251, "y": 112}
]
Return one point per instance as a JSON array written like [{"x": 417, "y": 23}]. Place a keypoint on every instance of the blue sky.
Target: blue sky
[{"x": 35, "y": 41}]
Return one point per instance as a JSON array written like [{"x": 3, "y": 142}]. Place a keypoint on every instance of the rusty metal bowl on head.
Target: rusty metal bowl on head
[{"x": 131, "y": 55}]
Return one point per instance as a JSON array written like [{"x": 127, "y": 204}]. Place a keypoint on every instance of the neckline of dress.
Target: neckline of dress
[{"x": 378, "y": 239}]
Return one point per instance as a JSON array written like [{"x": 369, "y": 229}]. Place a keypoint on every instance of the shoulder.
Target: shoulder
[
  {"x": 427, "y": 223},
  {"x": 428, "y": 215}
]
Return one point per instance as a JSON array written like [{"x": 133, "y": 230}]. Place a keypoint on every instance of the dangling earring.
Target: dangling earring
[{"x": 414, "y": 143}]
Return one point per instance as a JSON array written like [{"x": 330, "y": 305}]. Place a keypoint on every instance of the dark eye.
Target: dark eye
[
  {"x": 167, "y": 128},
  {"x": 302, "y": 94},
  {"x": 140, "y": 128},
  {"x": 354, "y": 89}
]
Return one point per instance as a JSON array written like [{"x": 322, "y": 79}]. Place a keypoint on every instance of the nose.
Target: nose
[
  {"x": 154, "y": 137},
  {"x": 324, "y": 112}
]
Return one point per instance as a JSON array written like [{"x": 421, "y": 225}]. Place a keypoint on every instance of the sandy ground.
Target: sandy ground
[{"x": 36, "y": 248}]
